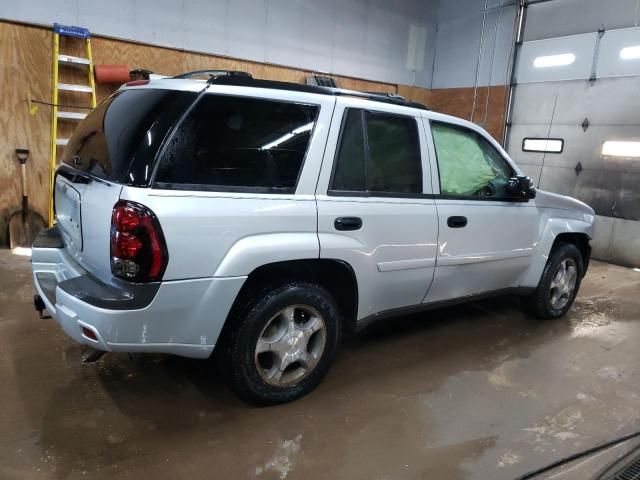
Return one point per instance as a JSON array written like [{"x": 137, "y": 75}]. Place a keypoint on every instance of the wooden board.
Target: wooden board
[
  {"x": 459, "y": 102},
  {"x": 25, "y": 65}
]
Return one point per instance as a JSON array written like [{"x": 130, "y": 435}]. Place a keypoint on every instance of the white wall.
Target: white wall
[{"x": 389, "y": 41}]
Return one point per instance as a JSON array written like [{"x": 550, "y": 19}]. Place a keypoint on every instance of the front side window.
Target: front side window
[
  {"x": 231, "y": 143},
  {"x": 378, "y": 153},
  {"x": 468, "y": 164}
]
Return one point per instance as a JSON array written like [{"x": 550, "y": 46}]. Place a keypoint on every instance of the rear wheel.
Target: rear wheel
[
  {"x": 558, "y": 285},
  {"x": 282, "y": 344}
]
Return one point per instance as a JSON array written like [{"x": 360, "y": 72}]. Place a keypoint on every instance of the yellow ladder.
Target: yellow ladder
[{"x": 61, "y": 60}]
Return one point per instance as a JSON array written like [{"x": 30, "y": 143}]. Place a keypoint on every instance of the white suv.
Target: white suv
[{"x": 267, "y": 219}]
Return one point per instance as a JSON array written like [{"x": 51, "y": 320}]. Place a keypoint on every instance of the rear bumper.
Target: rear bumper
[{"x": 181, "y": 317}]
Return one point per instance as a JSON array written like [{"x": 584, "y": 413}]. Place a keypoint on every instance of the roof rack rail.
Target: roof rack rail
[
  {"x": 244, "y": 79},
  {"x": 213, "y": 74},
  {"x": 387, "y": 94},
  {"x": 391, "y": 98}
]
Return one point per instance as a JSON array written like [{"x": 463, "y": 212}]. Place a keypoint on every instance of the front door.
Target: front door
[
  {"x": 374, "y": 208},
  {"x": 485, "y": 238}
]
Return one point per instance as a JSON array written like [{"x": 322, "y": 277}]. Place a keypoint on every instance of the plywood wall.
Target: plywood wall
[
  {"x": 489, "y": 110},
  {"x": 25, "y": 66},
  {"x": 25, "y": 60}
]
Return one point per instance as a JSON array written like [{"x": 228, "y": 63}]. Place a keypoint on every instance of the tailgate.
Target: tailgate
[
  {"x": 114, "y": 145},
  {"x": 67, "y": 202},
  {"x": 83, "y": 213}
]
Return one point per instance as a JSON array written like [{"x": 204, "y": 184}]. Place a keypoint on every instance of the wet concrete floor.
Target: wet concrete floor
[{"x": 472, "y": 392}]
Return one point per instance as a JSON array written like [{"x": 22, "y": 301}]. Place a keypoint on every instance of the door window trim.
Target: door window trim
[
  {"x": 475, "y": 198},
  {"x": 365, "y": 140}
]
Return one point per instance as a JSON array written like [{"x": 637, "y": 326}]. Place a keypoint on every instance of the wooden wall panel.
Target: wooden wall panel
[
  {"x": 459, "y": 102},
  {"x": 416, "y": 94},
  {"x": 25, "y": 64}
]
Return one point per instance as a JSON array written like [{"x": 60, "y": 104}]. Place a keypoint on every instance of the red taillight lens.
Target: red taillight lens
[{"x": 138, "y": 249}]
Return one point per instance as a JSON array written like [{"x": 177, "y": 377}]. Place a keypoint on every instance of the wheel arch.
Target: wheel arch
[
  {"x": 336, "y": 276},
  {"x": 558, "y": 231},
  {"x": 580, "y": 240}
]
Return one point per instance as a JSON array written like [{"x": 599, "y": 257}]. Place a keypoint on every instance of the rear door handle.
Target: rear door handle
[
  {"x": 348, "y": 223},
  {"x": 457, "y": 222}
]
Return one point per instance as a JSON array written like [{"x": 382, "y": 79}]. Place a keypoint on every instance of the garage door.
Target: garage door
[{"x": 575, "y": 128}]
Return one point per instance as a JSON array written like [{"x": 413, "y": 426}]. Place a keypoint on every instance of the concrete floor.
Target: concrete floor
[{"x": 475, "y": 392}]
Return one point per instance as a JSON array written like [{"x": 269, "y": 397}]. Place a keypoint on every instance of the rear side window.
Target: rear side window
[
  {"x": 229, "y": 143},
  {"x": 119, "y": 139},
  {"x": 378, "y": 154}
]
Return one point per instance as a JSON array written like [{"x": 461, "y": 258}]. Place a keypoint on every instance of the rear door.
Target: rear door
[
  {"x": 373, "y": 207},
  {"x": 486, "y": 238}
]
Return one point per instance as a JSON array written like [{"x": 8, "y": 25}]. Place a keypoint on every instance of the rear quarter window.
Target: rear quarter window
[{"x": 229, "y": 143}]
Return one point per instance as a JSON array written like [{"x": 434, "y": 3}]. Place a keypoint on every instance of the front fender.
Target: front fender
[
  {"x": 552, "y": 228},
  {"x": 252, "y": 252}
]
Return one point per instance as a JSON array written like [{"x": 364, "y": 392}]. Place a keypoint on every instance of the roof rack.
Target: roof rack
[
  {"x": 213, "y": 74},
  {"x": 384, "y": 97},
  {"x": 246, "y": 80}
]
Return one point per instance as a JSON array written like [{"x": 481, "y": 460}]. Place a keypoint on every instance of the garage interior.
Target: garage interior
[{"x": 477, "y": 391}]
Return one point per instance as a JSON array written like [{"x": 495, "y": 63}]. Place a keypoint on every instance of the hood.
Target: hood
[{"x": 553, "y": 200}]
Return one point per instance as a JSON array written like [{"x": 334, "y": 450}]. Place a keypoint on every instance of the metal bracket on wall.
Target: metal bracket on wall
[{"x": 596, "y": 51}]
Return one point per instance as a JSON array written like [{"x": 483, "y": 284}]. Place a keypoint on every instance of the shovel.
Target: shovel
[{"x": 26, "y": 224}]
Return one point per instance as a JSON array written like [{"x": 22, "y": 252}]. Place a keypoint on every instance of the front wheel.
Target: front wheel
[
  {"x": 283, "y": 344},
  {"x": 558, "y": 285}
]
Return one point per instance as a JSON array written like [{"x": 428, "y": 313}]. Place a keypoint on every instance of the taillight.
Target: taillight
[{"x": 138, "y": 250}]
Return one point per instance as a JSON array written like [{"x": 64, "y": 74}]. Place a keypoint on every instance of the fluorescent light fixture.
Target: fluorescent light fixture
[
  {"x": 559, "y": 60},
  {"x": 630, "y": 53},
  {"x": 549, "y": 145},
  {"x": 621, "y": 149}
]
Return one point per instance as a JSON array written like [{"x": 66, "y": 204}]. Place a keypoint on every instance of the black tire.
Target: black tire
[
  {"x": 539, "y": 303},
  {"x": 237, "y": 356}
]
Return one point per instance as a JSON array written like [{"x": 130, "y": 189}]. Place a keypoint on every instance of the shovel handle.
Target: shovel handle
[{"x": 23, "y": 174}]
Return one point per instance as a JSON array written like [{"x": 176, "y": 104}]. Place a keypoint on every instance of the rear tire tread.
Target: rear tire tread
[{"x": 235, "y": 357}]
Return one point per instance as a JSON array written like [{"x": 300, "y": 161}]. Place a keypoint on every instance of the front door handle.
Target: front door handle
[
  {"x": 457, "y": 222},
  {"x": 348, "y": 223}
]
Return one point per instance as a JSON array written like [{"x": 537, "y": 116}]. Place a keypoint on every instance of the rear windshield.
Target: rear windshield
[
  {"x": 229, "y": 143},
  {"x": 118, "y": 140}
]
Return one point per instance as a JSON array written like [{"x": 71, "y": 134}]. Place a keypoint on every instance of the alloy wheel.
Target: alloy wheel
[
  {"x": 563, "y": 283},
  {"x": 290, "y": 345}
]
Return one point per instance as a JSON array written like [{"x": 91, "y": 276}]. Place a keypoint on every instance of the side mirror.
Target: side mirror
[{"x": 521, "y": 187}]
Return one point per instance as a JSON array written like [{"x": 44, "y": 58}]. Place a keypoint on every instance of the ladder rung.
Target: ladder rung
[
  {"x": 75, "y": 88},
  {"x": 62, "y": 141},
  {"x": 71, "y": 115},
  {"x": 70, "y": 59}
]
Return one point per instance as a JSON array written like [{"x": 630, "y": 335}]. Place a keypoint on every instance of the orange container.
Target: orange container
[{"x": 112, "y": 73}]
